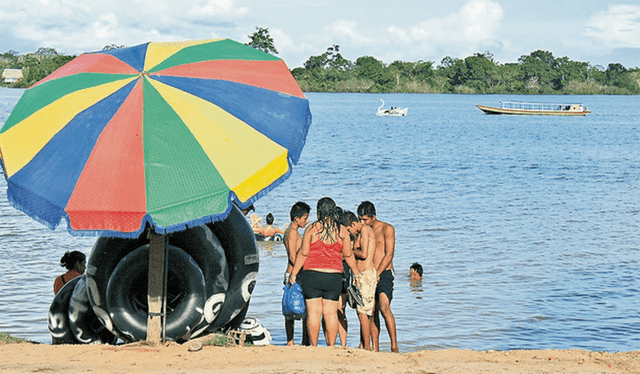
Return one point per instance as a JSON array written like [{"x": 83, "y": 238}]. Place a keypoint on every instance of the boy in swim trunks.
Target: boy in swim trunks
[
  {"x": 385, "y": 242},
  {"x": 292, "y": 242},
  {"x": 364, "y": 250}
]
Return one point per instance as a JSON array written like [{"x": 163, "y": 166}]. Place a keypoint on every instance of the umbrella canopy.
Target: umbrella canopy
[{"x": 162, "y": 133}]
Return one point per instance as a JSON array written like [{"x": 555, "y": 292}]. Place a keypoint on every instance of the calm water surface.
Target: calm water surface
[{"x": 528, "y": 228}]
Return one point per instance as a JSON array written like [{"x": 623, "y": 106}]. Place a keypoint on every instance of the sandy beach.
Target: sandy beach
[{"x": 192, "y": 358}]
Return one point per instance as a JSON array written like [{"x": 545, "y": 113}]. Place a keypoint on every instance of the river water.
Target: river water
[{"x": 528, "y": 228}]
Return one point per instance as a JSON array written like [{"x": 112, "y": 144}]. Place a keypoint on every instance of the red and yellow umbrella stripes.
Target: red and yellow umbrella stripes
[{"x": 165, "y": 133}]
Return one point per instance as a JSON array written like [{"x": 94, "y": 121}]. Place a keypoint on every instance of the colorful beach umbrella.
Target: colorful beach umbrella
[{"x": 168, "y": 134}]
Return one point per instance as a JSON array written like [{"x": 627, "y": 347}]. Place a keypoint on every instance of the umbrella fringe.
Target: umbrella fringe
[
  {"x": 147, "y": 220},
  {"x": 20, "y": 207}
]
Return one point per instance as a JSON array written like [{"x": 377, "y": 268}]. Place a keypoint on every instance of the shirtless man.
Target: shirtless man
[
  {"x": 293, "y": 242},
  {"x": 385, "y": 242},
  {"x": 364, "y": 249}
]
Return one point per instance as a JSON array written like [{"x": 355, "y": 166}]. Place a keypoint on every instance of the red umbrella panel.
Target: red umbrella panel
[{"x": 167, "y": 134}]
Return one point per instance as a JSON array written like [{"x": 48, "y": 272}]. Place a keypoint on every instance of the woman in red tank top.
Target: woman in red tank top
[{"x": 324, "y": 245}]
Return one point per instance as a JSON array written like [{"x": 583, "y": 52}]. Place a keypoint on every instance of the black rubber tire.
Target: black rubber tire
[
  {"x": 239, "y": 243},
  {"x": 199, "y": 242},
  {"x": 103, "y": 259},
  {"x": 127, "y": 294},
  {"x": 205, "y": 248},
  {"x": 84, "y": 323},
  {"x": 58, "y": 320}
]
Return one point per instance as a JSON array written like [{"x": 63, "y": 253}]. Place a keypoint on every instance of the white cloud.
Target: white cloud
[
  {"x": 399, "y": 35},
  {"x": 76, "y": 26},
  {"x": 618, "y": 27},
  {"x": 472, "y": 29},
  {"x": 225, "y": 8},
  {"x": 345, "y": 32},
  {"x": 106, "y": 25}
]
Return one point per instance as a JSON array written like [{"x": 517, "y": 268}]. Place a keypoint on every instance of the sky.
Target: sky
[{"x": 598, "y": 32}]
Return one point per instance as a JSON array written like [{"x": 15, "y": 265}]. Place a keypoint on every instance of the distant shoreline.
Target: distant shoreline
[{"x": 436, "y": 93}]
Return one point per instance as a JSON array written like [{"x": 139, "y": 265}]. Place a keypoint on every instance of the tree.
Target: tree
[
  {"x": 330, "y": 59},
  {"x": 538, "y": 69},
  {"x": 46, "y": 52},
  {"x": 112, "y": 46},
  {"x": 569, "y": 71},
  {"x": 9, "y": 60},
  {"x": 481, "y": 72},
  {"x": 368, "y": 67},
  {"x": 262, "y": 41},
  {"x": 454, "y": 69},
  {"x": 597, "y": 73},
  {"x": 619, "y": 76}
]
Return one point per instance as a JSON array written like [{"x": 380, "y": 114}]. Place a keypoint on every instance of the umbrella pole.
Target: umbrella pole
[{"x": 156, "y": 291}]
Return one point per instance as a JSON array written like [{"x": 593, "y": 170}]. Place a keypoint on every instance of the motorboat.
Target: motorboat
[
  {"x": 540, "y": 109},
  {"x": 391, "y": 112}
]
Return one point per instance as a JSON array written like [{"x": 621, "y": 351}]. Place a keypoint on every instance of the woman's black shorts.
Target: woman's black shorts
[{"x": 316, "y": 284}]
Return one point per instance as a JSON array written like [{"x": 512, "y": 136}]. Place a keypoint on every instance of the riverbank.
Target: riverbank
[{"x": 139, "y": 358}]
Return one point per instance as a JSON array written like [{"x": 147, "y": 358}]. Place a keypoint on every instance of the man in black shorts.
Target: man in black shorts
[{"x": 385, "y": 242}]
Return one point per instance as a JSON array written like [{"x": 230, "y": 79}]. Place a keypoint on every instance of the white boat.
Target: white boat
[{"x": 391, "y": 112}]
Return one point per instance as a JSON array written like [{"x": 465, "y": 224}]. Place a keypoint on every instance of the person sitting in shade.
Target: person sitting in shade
[
  {"x": 75, "y": 262},
  {"x": 255, "y": 224},
  {"x": 415, "y": 271}
]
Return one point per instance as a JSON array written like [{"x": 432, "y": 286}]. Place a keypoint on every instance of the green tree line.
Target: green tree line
[
  {"x": 35, "y": 66},
  {"x": 537, "y": 73}
]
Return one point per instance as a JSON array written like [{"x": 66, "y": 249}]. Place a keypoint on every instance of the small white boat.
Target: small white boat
[{"x": 391, "y": 112}]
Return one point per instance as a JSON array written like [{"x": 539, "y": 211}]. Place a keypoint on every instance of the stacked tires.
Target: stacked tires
[{"x": 211, "y": 273}]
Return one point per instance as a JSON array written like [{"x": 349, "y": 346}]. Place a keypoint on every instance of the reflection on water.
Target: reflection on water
[
  {"x": 416, "y": 287},
  {"x": 528, "y": 228}
]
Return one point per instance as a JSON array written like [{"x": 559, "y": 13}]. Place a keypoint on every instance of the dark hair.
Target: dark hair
[
  {"x": 299, "y": 209},
  {"x": 269, "y": 219},
  {"x": 328, "y": 216},
  {"x": 417, "y": 267},
  {"x": 366, "y": 208},
  {"x": 69, "y": 259},
  {"x": 340, "y": 212},
  {"x": 349, "y": 218}
]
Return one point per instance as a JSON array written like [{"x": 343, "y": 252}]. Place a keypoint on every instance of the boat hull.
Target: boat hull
[{"x": 494, "y": 110}]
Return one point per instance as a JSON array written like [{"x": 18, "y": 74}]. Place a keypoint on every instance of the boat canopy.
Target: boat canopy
[{"x": 519, "y": 105}]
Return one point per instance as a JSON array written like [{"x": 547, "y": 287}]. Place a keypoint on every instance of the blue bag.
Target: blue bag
[{"x": 293, "y": 301}]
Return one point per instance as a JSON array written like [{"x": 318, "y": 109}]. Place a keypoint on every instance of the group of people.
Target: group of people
[{"x": 337, "y": 243}]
